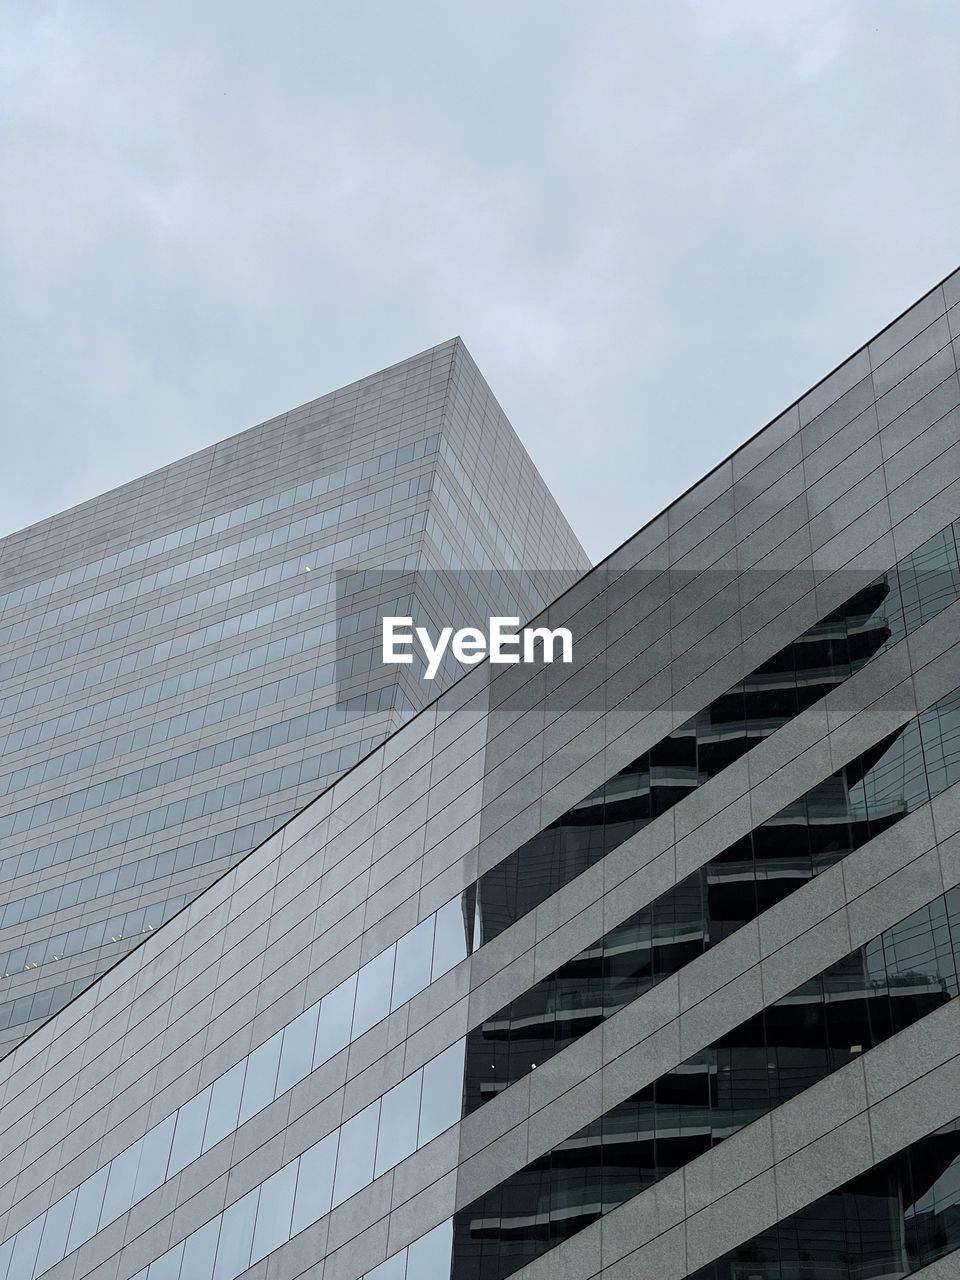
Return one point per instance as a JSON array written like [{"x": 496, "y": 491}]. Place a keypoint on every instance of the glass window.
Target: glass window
[
  {"x": 26, "y": 1244},
  {"x": 355, "y": 1160},
  {"x": 86, "y": 1213},
  {"x": 374, "y": 983},
  {"x": 314, "y": 1182},
  {"x": 429, "y": 1257},
  {"x": 120, "y": 1183},
  {"x": 56, "y": 1227},
  {"x": 414, "y": 962},
  {"x": 336, "y": 1016},
  {"x": 168, "y": 1267},
  {"x": 188, "y": 1135},
  {"x": 153, "y": 1158},
  {"x": 200, "y": 1251},
  {"x": 224, "y": 1105},
  {"x": 274, "y": 1212},
  {"x": 399, "y": 1115},
  {"x": 442, "y": 1097},
  {"x": 260, "y": 1081},
  {"x": 394, "y": 1268},
  {"x": 236, "y": 1237},
  {"x": 450, "y": 941},
  {"x": 296, "y": 1054}
]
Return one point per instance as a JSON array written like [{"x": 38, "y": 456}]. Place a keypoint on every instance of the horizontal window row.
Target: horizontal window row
[
  {"x": 346, "y": 625},
  {"x": 124, "y": 785},
  {"x": 358, "y": 543},
  {"x": 898, "y": 1217},
  {"x": 155, "y": 865},
  {"x": 39, "y": 1005},
  {"x": 921, "y": 585},
  {"x": 162, "y": 730},
  {"x": 892, "y": 982},
  {"x": 126, "y": 924},
  {"x": 526, "y": 600},
  {"x": 867, "y": 796},
  {"x": 137, "y": 623},
  {"x": 470, "y": 580},
  {"x": 85, "y": 677},
  {"x": 94, "y": 713},
  {"x": 239, "y": 840},
  {"x": 389, "y": 1129},
  {"x": 270, "y": 737},
  {"x": 472, "y": 495},
  {"x": 202, "y": 804},
  {"x": 231, "y": 519}
]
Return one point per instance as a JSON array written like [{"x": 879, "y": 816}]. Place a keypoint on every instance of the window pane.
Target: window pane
[
  {"x": 120, "y": 1183},
  {"x": 6, "y": 1249},
  {"x": 429, "y": 1257},
  {"x": 314, "y": 1182},
  {"x": 399, "y": 1115},
  {"x": 260, "y": 1081},
  {"x": 167, "y": 1267},
  {"x": 53, "y": 1243},
  {"x": 153, "y": 1158},
  {"x": 86, "y": 1213},
  {"x": 336, "y": 1016},
  {"x": 236, "y": 1235},
  {"x": 414, "y": 962},
  {"x": 200, "y": 1251},
  {"x": 26, "y": 1243},
  {"x": 394, "y": 1268},
  {"x": 188, "y": 1135},
  {"x": 450, "y": 941},
  {"x": 374, "y": 982},
  {"x": 358, "y": 1144},
  {"x": 274, "y": 1211},
  {"x": 296, "y": 1054},
  {"x": 442, "y": 1092},
  {"x": 224, "y": 1105}
]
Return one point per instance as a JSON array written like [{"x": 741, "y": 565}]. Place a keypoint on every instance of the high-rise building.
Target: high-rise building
[
  {"x": 642, "y": 966},
  {"x": 188, "y": 659}
]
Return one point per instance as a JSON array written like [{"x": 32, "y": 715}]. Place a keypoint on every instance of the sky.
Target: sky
[{"x": 654, "y": 224}]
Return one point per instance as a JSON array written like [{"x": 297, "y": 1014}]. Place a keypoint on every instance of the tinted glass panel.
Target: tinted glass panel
[
  {"x": 902, "y": 975},
  {"x": 355, "y": 1160}
]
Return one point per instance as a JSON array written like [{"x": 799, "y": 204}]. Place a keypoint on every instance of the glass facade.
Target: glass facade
[
  {"x": 864, "y": 798},
  {"x": 903, "y": 974},
  {"x": 898, "y": 1217}
]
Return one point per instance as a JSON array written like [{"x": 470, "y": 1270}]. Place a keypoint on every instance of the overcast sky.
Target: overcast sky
[{"x": 654, "y": 224}]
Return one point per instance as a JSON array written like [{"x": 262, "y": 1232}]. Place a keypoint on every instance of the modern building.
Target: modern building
[
  {"x": 643, "y": 967},
  {"x": 186, "y": 661}
]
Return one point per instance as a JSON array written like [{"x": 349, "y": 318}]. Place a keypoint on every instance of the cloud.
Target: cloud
[{"x": 653, "y": 225}]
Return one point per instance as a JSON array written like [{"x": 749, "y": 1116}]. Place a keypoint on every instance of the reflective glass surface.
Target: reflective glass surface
[
  {"x": 305, "y": 491},
  {"x": 807, "y": 836},
  {"x": 384, "y": 1133},
  {"x": 900, "y": 1216},
  {"x": 900, "y": 976},
  {"x": 298, "y": 1194}
]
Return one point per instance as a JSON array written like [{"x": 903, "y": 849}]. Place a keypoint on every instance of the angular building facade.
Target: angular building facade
[
  {"x": 187, "y": 660},
  {"x": 644, "y": 966}
]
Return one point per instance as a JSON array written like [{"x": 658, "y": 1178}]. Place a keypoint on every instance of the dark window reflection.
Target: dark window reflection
[
  {"x": 820, "y": 1026},
  {"x": 838, "y": 815},
  {"x": 875, "y": 617},
  {"x": 890, "y": 1222}
]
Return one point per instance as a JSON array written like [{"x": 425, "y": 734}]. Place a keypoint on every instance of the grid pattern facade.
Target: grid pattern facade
[
  {"x": 695, "y": 893},
  {"x": 187, "y": 660}
]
